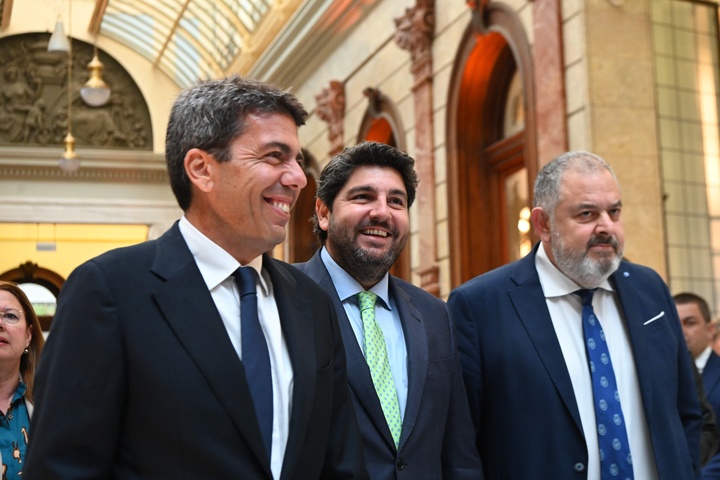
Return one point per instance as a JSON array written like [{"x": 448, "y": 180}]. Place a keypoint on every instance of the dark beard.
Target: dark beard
[{"x": 366, "y": 268}]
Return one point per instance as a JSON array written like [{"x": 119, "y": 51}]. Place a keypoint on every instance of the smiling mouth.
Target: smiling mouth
[
  {"x": 375, "y": 232},
  {"x": 285, "y": 207}
]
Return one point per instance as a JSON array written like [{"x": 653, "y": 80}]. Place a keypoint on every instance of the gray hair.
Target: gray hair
[{"x": 546, "y": 193}]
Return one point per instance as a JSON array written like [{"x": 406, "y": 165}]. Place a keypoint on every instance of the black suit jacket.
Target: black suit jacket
[
  {"x": 139, "y": 379},
  {"x": 521, "y": 396},
  {"x": 437, "y": 438}
]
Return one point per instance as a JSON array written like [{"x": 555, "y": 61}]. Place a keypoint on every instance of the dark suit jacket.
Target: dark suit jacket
[
  {"x": 139, "y": 379},
  {"x": 711, "y": 381},
  {"x": 436, "y": 440},
  {"x": 521, "y": 397}
]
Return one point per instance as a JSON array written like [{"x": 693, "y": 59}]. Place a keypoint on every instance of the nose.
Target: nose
[
  {"x": 380, "y": 209},
  {"x": 605, "y": 225},
  {"x": 294, "y": 177}
]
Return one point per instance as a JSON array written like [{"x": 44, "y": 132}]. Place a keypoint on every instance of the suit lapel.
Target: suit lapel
[
  {"x": 297, "y": 328},
  {"x": 634, "y": 306},
  {"x": 417, "y": 351},
  {"x": 183, "y": 300},
  {"x": 531, "y": 307},
  {"x": 358, "y": 372},
  {"x": 711, "y": 374}
]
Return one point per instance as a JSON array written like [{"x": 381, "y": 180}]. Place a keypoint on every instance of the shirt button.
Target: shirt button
[
  {"x": 579, "y": 467},
  {"x": 400, "y": 464}
]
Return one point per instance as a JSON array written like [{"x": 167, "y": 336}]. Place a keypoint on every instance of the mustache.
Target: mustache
[{"x": 603, "y": 240}]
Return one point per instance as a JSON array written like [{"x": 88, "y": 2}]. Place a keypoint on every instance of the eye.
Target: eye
[{"x": 399, "y": 202}]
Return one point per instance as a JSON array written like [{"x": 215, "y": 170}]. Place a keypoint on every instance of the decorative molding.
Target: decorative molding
[
  {"x": 414, "y": 32},
  {"x": 309, "y": 38},
  {"x": 331, "y": 109},
  {"x": 41, "y": 163},
  {"x": 88, "y": 210}
]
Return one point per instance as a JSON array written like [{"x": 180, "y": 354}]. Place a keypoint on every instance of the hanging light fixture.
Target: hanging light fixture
[
  {"x": 95, "y": 92},
  {"x": 58, "y": 40},
  {"x": 69, "y": 161}
]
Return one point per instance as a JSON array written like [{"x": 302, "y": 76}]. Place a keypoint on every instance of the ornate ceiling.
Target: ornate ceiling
[{"x": 187, "y": 39}]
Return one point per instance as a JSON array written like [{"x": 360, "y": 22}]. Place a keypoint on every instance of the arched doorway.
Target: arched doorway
[
  {"x": 31, "y": 273},
  {"x": 491, "y": 147},
  {"x": 381, "y": 123}
]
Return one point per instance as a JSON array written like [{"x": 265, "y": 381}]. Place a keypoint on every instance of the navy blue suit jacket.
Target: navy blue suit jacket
[
  {"x": 521, "y": 396},
  {"x": 139, "y": 378},
  {"x": 437, "y": 436},
  {"x": 711, "y": 382}
]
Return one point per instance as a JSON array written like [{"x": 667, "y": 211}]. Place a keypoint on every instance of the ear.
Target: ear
[
  {"x": 541, "y": 223},
  {"x": 199, "y": 168},
  {"x": 323, "y": 214},
  {"x": 28, "y": 335}
]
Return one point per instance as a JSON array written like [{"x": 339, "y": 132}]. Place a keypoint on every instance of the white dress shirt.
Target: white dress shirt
[
  {"x": 386, "y": 315},
  {"x": 566, "y": 313},
  {"x": 703, "y": 358},
  {"x": 217, "y": 267}
]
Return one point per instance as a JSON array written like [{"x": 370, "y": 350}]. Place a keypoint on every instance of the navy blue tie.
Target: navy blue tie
[
  {"x": 255, "y": 356},
  {"x": 615, "y": 459}
]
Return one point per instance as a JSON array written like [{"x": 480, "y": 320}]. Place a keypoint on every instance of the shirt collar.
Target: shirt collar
[
  {"x": 702, "y": 359},
  {"x": 214, "y": 263},
  {"x": 554, "y": 282},
  {"x": 346, "y": 286}
]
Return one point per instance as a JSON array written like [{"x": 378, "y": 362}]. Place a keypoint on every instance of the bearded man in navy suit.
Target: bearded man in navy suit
[
  {"x": 361, "y": 218},
  {"x": 145, "y": 374},
  {"x": 521, "y": 336}
]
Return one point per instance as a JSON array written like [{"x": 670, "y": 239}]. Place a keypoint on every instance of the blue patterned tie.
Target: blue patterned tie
[
  {"x": 376, "y": 357},
  {"x": 255, "y": 356},
  {"x": 615, "y": 459}
]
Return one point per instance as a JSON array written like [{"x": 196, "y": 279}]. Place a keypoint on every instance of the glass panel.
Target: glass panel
[
  {"x": 688, "y": 91},
  {"x": 187, "y": 39},
  {"x": 42, "y": 299},
  {"x": 518, "y": 215}
]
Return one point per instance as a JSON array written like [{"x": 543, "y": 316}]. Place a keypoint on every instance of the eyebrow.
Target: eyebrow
[
  {"x": 368, "y": 188},
  {"x": 590, "y": 206}
]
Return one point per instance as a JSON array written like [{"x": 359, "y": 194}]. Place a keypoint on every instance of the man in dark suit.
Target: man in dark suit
[
  {"x": 526, "y": 330},
  {"x": 412, "y": 412},
  {"x": 145, "y": 374},
  {"x": 698, "y": 329}
]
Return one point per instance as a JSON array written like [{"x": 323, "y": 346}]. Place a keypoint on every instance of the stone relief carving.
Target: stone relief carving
[
  {"x": 34, "y": 103},
  {"x": 331, "y": 109},
  {"x": 414, "y": 32}
]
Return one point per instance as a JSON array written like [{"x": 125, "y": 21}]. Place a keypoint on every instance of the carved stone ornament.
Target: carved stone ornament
[
  {"x": 34, "y": 102},
  {"x": 414, "y": 32},
  {"x": 331, "y": 109}
]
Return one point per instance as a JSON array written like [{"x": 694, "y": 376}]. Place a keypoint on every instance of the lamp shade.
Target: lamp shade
[
  {"x": 58, "y": 40},
  {"x": 95, "y": 92},
  {"x": 69, "y": 161}
]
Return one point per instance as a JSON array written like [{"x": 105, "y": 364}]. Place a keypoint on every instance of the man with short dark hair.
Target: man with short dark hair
[
  {"x": 197, "y": 355},
  {"x": 403, "y": 367}
]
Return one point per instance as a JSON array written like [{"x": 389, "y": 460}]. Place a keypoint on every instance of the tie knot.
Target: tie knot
[
  {"x": 586, "y": 295},
  {"x": 366, "y": 300},
  {"x": 246, "y": 279}
]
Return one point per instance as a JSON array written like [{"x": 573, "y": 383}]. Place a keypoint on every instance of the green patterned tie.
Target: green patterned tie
[{"x": 377, "y": 359}]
